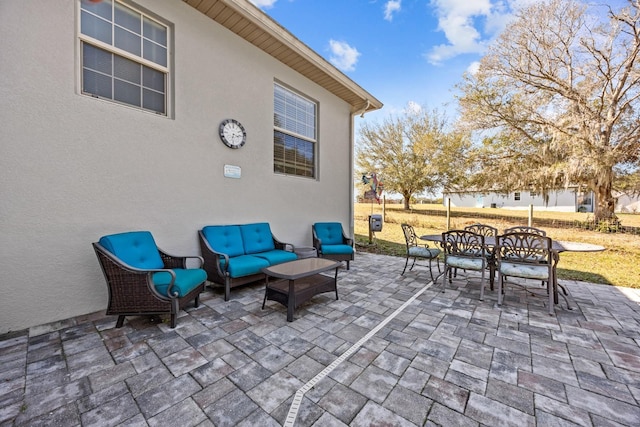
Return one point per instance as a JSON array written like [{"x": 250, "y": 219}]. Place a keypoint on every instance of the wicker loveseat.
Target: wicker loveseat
[{"x": 235, "y": 254}]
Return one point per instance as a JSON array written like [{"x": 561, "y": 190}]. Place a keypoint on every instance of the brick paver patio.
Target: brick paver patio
[{"x": 445, "y": 359}]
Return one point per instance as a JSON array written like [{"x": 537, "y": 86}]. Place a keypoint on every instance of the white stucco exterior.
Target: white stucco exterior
[
  {"x": 627, "y": 203},
  {"x": 560, "y": 201},
  {"x": 74, "y": 168}
]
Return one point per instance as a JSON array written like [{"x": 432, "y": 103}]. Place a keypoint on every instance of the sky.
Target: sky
[{"x": 408, "y": 54}]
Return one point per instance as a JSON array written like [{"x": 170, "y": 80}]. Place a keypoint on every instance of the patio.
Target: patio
[{"x": 379, "y": 355}]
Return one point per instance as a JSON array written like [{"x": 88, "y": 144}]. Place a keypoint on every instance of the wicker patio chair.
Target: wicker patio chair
[
  {"x": 331, "y": 242},
  {"x": 143, "y": 280}
]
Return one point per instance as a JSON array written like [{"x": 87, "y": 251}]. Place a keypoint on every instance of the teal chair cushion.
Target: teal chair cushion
[
  {"x": 226, "y": 239},
  {"x": 245, "y": 265},
  {"x": 421, "y": 251},
  {"x": 336, "y": 249},
  {"x": 186, "y": 280},
  {"x": 528, "y": 271},
  {"x": 257, "y": 238},
  {"x": 277, "y": 256},
  {"x": 465, "y": 263},
  {"x": 330, "y": 233},
  {"x": 136, "y": 248}
]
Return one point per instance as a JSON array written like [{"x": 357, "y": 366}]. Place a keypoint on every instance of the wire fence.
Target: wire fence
[{"x": 603, "y": 226}]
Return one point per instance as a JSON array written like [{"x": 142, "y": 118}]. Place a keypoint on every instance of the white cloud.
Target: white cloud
[
  {"x": 390, "y": 8},
  {"x": 412, "y": 107},
  {"x": 264, "y": 4},
  {"x": 473, "y": 67},
  {"x": 343, "y": 56},
  {"x": 470, "y": 25}
]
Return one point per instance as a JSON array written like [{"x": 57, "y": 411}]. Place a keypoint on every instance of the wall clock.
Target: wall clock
[{"x": 232, "y": 133}]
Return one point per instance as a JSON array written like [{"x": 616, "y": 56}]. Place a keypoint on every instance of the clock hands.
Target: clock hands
[{"x": 232, "y": 133}]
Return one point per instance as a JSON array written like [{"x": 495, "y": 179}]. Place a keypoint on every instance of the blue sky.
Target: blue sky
[{"x": 406, "y": 53}]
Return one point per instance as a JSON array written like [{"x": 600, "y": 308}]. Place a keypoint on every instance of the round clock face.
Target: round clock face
[{"x": 232, "y": 133}]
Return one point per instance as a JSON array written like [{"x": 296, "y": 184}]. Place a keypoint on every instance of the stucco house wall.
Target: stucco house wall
[
  {"x": 74, "y": 168},
  {"x": 627, "y": 203},
  {"x": 559, "y": 201}
]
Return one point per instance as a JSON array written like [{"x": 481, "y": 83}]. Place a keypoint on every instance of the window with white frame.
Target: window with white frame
[
  {"x": 516, "y": 196},
  {"x": 124, "y": 55},
  {"x": 294, "y": 133}
]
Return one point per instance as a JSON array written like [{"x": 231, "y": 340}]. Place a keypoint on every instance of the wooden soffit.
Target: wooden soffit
[{"x": 253, "y": 25}]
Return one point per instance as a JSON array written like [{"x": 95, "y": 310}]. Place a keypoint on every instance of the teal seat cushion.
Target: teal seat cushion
[
  {"x": 528, "y": 271},
  {"x": 277, "y": 256},
  {"x": 226, "y": 239},
  {"x": 257, "y": 238},
  {"x": 421, "y": 251},
  {"x": 465, "y": 263},
  {"x": 245, "y": 265},
  {"x": 336, "y": 249},
  {"x": 136, "y": 248},
  {"x": 329, "y": 233},
  {"x": 186, "y": 280}
]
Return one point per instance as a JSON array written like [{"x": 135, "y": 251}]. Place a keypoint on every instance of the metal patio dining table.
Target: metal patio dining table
[{"x": 558, "y": 246}]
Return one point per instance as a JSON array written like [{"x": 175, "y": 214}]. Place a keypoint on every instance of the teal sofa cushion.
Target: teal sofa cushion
[
  {"x": 336, "y": 249},
  {"x": 277, "y": 256},
  {"x": 186, "y": 280},
  {"x": 329, "y": 233},
  {"x": 257, "y": 238},
  {"x": 226, "y": 239},
  {"x": 136, "y": 248},
  {"x": 245, "y": 265}
]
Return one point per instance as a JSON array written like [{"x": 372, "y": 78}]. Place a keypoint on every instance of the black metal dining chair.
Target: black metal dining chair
[
  {"x": 465, "y": 250},
  {"x": 416, "y": 250},
  {"x": 527, "y": 256},
  {"x": 486, "y": 231},
  {"x": 525, "y": 229}
]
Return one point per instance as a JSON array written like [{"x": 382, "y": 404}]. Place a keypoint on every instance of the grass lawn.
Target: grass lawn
[{"x": 618, "y": 265}]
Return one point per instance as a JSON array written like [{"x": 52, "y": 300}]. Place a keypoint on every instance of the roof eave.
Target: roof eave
[{"x": 248, "y": 21}]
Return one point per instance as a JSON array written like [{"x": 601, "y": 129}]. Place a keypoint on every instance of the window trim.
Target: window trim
[
  {"x": 294, "y": 134},
  {"x": 111, "y": 48}
]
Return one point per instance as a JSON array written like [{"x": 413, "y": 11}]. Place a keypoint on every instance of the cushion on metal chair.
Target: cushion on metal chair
[
  {"x": 465, "y": 263},
  {"x": 532, "y": 271},
  {"x": 421, "y": 251}
]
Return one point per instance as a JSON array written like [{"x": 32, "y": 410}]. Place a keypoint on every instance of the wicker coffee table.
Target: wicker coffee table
[{"x": 298, "y": 281}]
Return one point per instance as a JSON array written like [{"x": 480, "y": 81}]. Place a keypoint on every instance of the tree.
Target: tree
[
  {"x": 556, "y": 96},
  {"x": 413, "y": 153}
]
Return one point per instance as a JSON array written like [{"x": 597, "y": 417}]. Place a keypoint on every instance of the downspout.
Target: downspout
[{"x": 352, "y": 145}]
